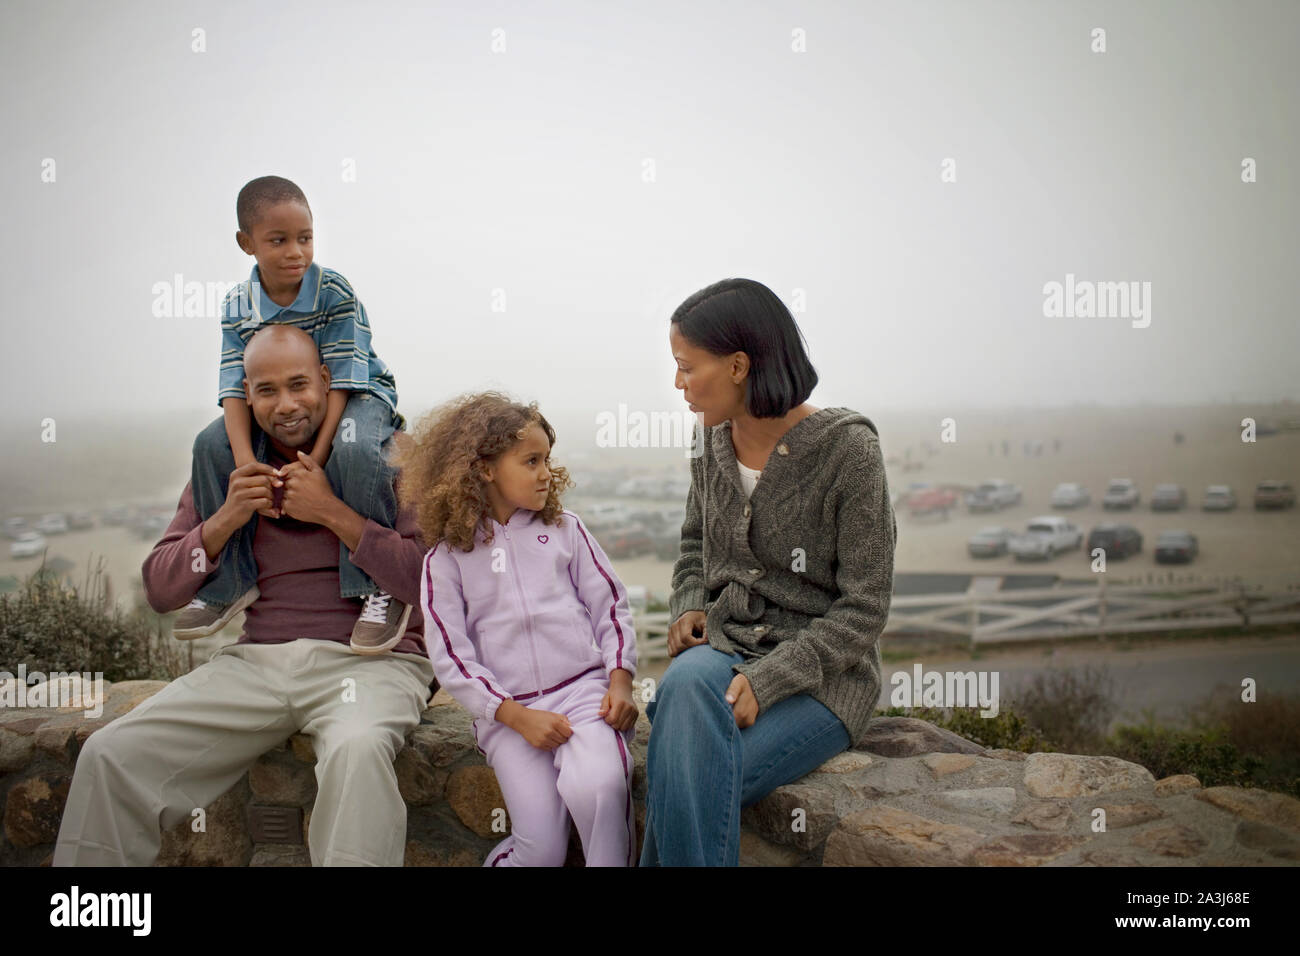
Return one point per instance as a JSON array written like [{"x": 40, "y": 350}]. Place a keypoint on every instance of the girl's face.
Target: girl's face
[
  {"x": 713, "y": 385},
  {"x": 520, "y": 477}
]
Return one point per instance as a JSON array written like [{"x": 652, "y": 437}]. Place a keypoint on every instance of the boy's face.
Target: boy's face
[{"x": 281, "y": 242}]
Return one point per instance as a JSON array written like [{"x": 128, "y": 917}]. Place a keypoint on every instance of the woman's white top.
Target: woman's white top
[{"x": 748, "y": 478}]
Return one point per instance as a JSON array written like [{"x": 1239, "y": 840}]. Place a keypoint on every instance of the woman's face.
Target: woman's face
[{"x": 708, "y": 382}]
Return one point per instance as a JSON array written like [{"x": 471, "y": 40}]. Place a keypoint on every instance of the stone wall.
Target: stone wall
[{"x": 911, "y": 794}]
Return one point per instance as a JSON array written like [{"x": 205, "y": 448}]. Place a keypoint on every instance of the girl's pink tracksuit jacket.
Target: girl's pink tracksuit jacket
[{"x": 538, "y": 616}]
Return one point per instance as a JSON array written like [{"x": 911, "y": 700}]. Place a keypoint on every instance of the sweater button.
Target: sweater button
[
  {"x": 781, "y": 449},
  {"x": 760, "y": 630},
  {"x": 755, "y": 571},
  {"x": 747, "y": 511}
]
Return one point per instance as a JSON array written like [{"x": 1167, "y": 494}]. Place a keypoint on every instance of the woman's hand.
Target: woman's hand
[
  {"x": 681, "y": 634},
  {"x": 742, "y": 700}
]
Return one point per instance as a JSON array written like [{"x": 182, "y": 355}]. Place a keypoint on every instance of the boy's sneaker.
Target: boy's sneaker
[
  {"x": 381, "y": 624},
  {"x": 199, "y": 618}
]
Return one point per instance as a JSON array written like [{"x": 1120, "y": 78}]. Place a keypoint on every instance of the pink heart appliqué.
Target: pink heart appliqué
[{"x": 543, "y": 538}]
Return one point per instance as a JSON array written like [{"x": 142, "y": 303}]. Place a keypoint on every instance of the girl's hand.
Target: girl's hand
[
  {"x": 617, "y": 706},
  {"x": 742, "y": 700},
  {"x": 544, "y": 729},
  {"x": 681, "y": 633}
]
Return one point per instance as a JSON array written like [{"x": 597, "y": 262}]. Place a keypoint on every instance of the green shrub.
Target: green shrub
[
  {"x": 1207, "y": 755},
  {"x": 1008, "y": 730},
  {"x": 49, "y": 625},
  {"x": 1072, "y": 707}
]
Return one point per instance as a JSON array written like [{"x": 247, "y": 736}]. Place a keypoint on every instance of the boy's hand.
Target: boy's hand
[
  {"x": 307, "y": 493},
  {"x": 617, "y": 706},
  {"x": 543, "y": 729}
]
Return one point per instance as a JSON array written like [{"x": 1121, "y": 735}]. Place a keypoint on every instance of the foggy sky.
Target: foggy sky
[{"x": 523, "y": 171}]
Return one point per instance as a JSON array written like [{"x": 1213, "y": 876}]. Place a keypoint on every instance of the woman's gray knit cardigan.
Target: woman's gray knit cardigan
[{"x": 798, "y": 578}]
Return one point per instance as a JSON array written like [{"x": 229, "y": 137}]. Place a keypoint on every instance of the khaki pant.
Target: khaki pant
[{"x": 192, "y": 741}]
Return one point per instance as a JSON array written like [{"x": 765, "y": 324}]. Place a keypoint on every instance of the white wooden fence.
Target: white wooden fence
[{"x": 984, "y": 616}]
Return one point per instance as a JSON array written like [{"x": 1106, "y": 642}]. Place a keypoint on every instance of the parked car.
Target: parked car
[
  {"x": 150, "y": 527},
  {"x": 1045, "y": 537},
  {"x": 988, "y": 542},
  {"x": 993, "y": 495},
  {"x": 1168, "y": 498},
  {"x": 53, "y": 523},
  {"x": 929, "y": 500},
  {"x": 1070, "y": 495},
  {"x": 628, "y": 542},
  {"x": 1117, "y": 540},
  {"x": 15, "y": 527},
  {"x": 80, "y": 520},
  {"x": 1175, "y": 546},
  {"x": 29, "y": 545},
  {"x": 1219, "y": 498},
  {"x": 116, "y": 515},
  {"x": 1274, "y": 494},
  {"x": 1121, "y": 493}
]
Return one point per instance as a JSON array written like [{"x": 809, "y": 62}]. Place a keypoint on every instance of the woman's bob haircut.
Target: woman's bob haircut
[{"x": 741, "y": 315}]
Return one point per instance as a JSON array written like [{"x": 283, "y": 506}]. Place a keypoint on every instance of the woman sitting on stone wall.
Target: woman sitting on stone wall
[{"x": 783, "y": 585}]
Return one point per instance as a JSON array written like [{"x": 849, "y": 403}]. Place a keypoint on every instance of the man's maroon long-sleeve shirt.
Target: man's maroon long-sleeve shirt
[{"x": 297, "y": 574}]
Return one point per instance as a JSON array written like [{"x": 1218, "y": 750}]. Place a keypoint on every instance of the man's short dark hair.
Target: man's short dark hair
[
  {"x": 741, "y": 315},
  {"x": 262, "y": 192}
]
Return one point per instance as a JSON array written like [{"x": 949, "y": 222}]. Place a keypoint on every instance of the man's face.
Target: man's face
[
  {"x": 281, "y": 241},
  {"x": 286, "y": 389}
]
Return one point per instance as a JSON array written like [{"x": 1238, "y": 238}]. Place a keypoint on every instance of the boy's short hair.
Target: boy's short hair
[
  {"x": 262, "y": 192},
  {"x": 741, "y": 315}
]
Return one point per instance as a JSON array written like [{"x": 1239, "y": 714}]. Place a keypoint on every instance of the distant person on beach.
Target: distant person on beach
[
  {"x": 783, "y": 585},
  {"x": 287, "y": 287}
]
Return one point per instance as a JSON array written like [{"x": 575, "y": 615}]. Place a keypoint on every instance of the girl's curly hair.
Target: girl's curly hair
[{"x": 441, "y": 465}]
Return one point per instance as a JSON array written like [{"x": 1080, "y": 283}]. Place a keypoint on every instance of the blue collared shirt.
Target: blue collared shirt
[{"x": 326, "y": 309}]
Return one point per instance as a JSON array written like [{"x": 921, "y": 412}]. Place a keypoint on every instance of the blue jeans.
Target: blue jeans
[
  {"x": 702, "y": 769},
  {"x": 357, "y": 472}
]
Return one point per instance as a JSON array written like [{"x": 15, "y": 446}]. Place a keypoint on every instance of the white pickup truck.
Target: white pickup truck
[{"x": 1045, "y": 537}]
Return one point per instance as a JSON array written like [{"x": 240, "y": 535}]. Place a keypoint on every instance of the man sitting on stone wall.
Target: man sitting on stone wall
[{"x": 292, "y": 669}]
